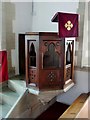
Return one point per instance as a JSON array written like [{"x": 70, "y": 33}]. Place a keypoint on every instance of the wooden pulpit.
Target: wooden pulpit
[{"x": 50, "y": 56}]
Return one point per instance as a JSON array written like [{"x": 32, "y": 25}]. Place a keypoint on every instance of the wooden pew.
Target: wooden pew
[{"x": 75, "y": 108}]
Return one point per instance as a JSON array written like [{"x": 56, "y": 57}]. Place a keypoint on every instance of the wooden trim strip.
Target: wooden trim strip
[{"x": 76, "y": 106}]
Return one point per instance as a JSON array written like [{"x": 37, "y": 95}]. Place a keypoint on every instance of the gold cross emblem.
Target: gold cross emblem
[{"x": 68, "y": 25}]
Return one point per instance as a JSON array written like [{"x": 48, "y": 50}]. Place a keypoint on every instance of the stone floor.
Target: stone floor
[
  {"x": 45, "y": 98},
  {"x": 8, "y": 98},
  {"x": 10, "y": 93}
]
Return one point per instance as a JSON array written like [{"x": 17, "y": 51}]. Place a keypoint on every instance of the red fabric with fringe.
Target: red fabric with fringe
[{"x": 3, "y": 66}]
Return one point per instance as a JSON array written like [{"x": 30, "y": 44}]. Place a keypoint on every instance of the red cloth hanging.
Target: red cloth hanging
[
  {"x": 3, "y": 66},
  {"x": 67, "y": 24}
]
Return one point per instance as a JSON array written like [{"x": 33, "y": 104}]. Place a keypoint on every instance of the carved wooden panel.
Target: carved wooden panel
[
  {"x": 51, "y": 51},
  {"x": 32, "y": 75},
  {"x": 46, "y": 61},
  {"x": 68, "y": 73},
  {"x": 51, "y": 79}
]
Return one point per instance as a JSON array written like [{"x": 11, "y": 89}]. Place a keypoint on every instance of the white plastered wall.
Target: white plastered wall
[
  {"x": 0, "y": 24},
  {"x": 21, "y": 24},
  {"x": 15, "y": 18},
  {"x": 2, "y": 27},
  {"x": 44, "y": 11}
]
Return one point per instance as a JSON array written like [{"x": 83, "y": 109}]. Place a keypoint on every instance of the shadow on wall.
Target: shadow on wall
[{"x": 9, "y": 9}]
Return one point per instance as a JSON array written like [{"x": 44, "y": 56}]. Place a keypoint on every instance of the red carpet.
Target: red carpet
[{"x": 53, "y": 112}]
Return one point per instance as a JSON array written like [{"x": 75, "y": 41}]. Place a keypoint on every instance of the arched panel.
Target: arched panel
[
  {"x": 32, "y": 55},
  {"x": 51, "y": 57},
  {"x": 68, "y": 54}
]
